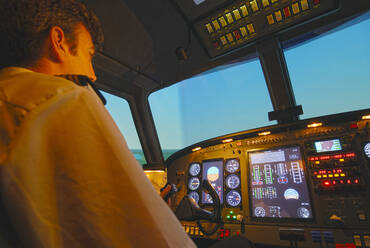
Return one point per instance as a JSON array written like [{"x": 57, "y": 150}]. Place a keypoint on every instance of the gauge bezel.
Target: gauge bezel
[
  {"x": 231, "y": 159},
  {"x": 227, "y": 201},
  {"x": 193, "y": 189},
  {"x": 194, "y": 192},
  {"x": 367, "y": 143},
  {"x": 227, "y": 178},
  {"x": 193, "y": 164}
]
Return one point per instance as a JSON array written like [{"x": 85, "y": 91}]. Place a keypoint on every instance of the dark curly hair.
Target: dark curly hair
[{"x": 25, "y": 24}]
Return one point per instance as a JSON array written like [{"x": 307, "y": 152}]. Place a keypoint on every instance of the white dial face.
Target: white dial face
[
  {"x": 232, "y": 181},
  {"x": 233, "y": 198},
  {"x": 194, "y": 183},
  {"x": 367, "y": 150},
  {"x": 232, "y": 165},
  {"x": 194, "y": 169}
]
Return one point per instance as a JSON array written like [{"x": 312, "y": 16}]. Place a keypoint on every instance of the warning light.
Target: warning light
[
  {"x": 336, "y": 175},
  {"x": 227, "y": 233},
  {"x": 264, "y": 133},
  {"x": 350, "y": 155},
  {"x": 227, "y": 140},
  {"x": 221, "y": 233},
  {"x": 317, "y": 162},
  {"x": 348, "y": 181},
  {"x": 341, "y": 181},
  {"x": 334, "y": 182},
  {"x": 338, "y": 156},
  {"x": 341, "y": 160},
  {"x": 324, "y": 157},
  {"x": 324, "y": 176},
  {"x": 196, "y": 149},
  {"x": 342, "y": 174},
  {"x": 326, "y": 183},
  {"x": 356, "y": 181},
  {"x": 315, "y": 172},
  {"x": 315, "y": 124},
  {"x": 237, "y": 233},
  {"x": 353, "y": 126},
  {"x": 318, "y": 176},
  {"x": 330, "y": 175}
]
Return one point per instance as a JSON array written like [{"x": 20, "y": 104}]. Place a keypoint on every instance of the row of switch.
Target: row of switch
[
  {"x": 237, "y": 34},
  {"x": 288, "y": 11},
  {"x": 235, "y": 15}
]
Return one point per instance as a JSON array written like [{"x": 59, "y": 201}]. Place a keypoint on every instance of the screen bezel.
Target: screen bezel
[
  {"x": 283, "y": 219},
  {"x": 323, "y": 152},
  {"x": 222, "y": 201}
]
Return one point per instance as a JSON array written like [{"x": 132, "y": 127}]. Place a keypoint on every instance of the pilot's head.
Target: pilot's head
[{"x": 49, "y": 36}]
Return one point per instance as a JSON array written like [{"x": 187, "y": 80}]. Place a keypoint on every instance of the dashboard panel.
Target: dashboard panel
[{"x": 294, "y": 182}]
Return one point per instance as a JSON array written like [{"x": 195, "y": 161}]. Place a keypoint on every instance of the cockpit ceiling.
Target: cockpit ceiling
[{"x": 142, "y": 37}]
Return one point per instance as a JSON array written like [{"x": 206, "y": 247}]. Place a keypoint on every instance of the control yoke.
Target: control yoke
[{"x": 189, "y": 210}]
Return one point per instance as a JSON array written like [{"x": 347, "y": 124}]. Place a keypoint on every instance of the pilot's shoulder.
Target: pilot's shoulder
[{"x": 27, "y": 89}]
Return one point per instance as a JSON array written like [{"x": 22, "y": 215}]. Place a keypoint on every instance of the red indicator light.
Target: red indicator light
[
  {"x": 348, "y": 181},
  {"x": 341, "y": 181},
  {"x": 356, "y": 181},
  {"x": 326, "y": 183},
  {"x": 237, "y": 233},
  {"x": 338, "y": 156},
  {"x": 339, "y": 170},
  {"x": 350, "y": 155},
  {"x": 221, "y": 233},
  {"x": 315, "y": 173},
  {"x": 316, "y": 2},
  {"x": 311, "y": 159},
  {"x": 227, "y": 233},
  {"x": 324, "y": 157},
  {"x": 329, "y": 172},
  {"x": 353, "y": 126},
  {"x": 287, "y": 12},
  {"x": 237, "y": 34},
  {"x": 334, "y": 182},
  {"x": 239, "y": 143}
]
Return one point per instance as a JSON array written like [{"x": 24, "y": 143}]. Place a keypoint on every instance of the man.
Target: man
[{"x": 67, "y": 177}]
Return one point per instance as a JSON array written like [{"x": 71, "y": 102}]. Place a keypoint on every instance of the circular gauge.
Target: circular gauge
[
  {"x": 194, "y": 169},
  {"x": 232, "y": 181},
  {"x": 367, "y": 150},
  {"x": 233, "y": 198},
  {"x": 260, "y": 212},
  {"x": 303, "y": 212},
  {"x": 194, "y": 183},
  {"x": 232, "y": 165},
  {"x": 194, "y": 195}
]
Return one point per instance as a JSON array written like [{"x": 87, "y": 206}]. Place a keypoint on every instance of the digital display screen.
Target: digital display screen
[
  {"x": 278, "y": 184},
  {"x": 197, "y": 2},
  {"x": 213, "y": 172},
  {"x": 328, "y": 145}
]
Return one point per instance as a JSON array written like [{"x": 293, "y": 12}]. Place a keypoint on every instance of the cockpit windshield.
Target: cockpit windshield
[{"x": 209, "y": 105}]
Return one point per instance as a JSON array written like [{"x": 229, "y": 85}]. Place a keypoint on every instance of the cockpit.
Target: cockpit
[{"x": 257, "y": 110}]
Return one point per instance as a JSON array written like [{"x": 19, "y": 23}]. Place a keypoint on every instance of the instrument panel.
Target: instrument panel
[{"x": 314, "y": 180}]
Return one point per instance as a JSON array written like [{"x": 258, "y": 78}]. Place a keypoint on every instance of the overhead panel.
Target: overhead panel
[{"x": 243, "y": 22}]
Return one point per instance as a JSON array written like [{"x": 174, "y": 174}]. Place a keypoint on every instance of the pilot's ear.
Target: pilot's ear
[{"x": 58, "y": 44}]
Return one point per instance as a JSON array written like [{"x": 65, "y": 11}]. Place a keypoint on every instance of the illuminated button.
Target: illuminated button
[
  {"x": 209, "y": 28},
  {"x": 230, "y": 37},
  {"x": 270, "y": 19},
  {"x": 295, "y": 8},
  {"x": 342, "y": 174},
  {"x": 341, "y": 160},
  {"x": 223, "y": 40},
  {"x": 244, "y": 10},
  {"x": 228, "y": 217},
  {"x": 250, "y": 28},
  {"x": 265, "y": 3},
  {"x": 222, "y": 21},
  {"x": 237, "y": 34},
  {"x": 330, "y": 175},
  {"x": 349, "y": 181},
  {"x": 287, "y": 12},
  {"x": 317, "y": 162},
  {"x": 216, "y": 25},
  {"x": 216, "y": 44},
  {"x": 278, "y": 16},
  {"x": 187, "y": 229},
  {"x": 229, "y": 18},
  {"x": 324, "y": 176},
  {"x": 254, "y": 5},
  {"x": 356, "y": 181},
  {"x": 244, "y": 31},
  {"x": 304, "y": 5},
  {"x": 318, "y": 176},
  {"x": 196, "y": 231},
  {"x": 236, "y": 14},
  {"x": 336, "y": 175}
]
